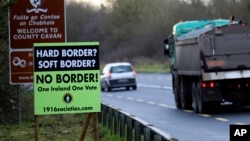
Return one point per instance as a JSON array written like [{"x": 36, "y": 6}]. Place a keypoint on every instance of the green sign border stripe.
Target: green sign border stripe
[{"x": 67, "y": 44}]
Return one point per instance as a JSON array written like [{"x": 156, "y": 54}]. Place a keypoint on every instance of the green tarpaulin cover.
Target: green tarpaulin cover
[{"x": 203, "y": 26}]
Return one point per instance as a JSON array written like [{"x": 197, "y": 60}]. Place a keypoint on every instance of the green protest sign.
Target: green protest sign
[{"x": 66, "y": 78}]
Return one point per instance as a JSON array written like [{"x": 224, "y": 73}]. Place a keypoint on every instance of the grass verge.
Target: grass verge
[
  {"x": 154, "y": 68},
  {"x": 66, "y": 127}
]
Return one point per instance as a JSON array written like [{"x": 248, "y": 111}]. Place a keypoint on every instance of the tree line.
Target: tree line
[
  {"x": 128, "y": 30},
  {"x": 135, "y": 29}
]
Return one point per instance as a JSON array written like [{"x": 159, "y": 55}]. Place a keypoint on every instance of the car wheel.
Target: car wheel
[
  {"x": 102, "y": 89},
  {"x": 134, "y": 87},
  {"x": 127, "y": 88},
  {"x": 107, "y": 87}
]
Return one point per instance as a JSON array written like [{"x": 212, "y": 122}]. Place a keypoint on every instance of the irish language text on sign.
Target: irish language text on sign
[
  {"x": 36, "y": 21},
  {"x": 66, "y": 78}
]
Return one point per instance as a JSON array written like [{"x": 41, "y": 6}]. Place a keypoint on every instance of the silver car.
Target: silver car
[{"x": 117, "y": 75}]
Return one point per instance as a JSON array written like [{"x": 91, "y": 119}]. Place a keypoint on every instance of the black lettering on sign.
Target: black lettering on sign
[
  {"x": 44, "y": 79},
  {"x": 76, "y": 78},
  {"x": 239, "y": 132}
]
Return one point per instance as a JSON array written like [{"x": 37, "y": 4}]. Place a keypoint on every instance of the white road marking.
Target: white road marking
[
  {"x": 140, "y": 100},
  {"x": 163, "y": 105},
  {"x": 222, "y": 119},
  {"x": 130, "y": 98},
  {"x": 154, "y": 86},
  {"x": 151, "y": 102},
  {"x": 119, "y": 96},
  {"x": 205, "y": 115},
  {"x": 239, "y": 123},
  {"x": 189, "y": 111},
  {"x": 110, "y": 95},
  {"x": 167, "y": 87}
]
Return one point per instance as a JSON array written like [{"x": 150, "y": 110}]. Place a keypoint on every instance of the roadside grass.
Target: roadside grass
[
  {"x": 146, "y": 66},
  {"x": 154, "y": 68},
  {"x": 107, "y": 135},
  {"x": 51, "y": 128},
  {"x": 66, "y": 127}
]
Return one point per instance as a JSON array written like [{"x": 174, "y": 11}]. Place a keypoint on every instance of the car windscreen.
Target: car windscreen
[{"x": 120, "y": 69}]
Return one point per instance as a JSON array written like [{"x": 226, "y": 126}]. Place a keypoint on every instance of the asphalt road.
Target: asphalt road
[{"x": 153, "y": 102}]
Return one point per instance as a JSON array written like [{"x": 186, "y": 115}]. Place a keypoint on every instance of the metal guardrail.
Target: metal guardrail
[{"x": 130, "y": 127}]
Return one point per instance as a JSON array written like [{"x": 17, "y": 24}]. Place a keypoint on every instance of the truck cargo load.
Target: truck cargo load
[{"x": 209, "y": 63}]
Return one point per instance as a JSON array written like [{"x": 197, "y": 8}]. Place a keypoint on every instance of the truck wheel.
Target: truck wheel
[
  {"x": 201, "y": 103},
  {"x": 177, "y": 101},
  {"x": 194, "y": 98},
  {"x": 185, "y": 95},
  {"x": 176, "y": 91}
]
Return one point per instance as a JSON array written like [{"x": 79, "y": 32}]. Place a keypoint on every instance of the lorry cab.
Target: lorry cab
[
  {"x": 169, "y": 45},
  {"x": 166, "y": 47}
]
